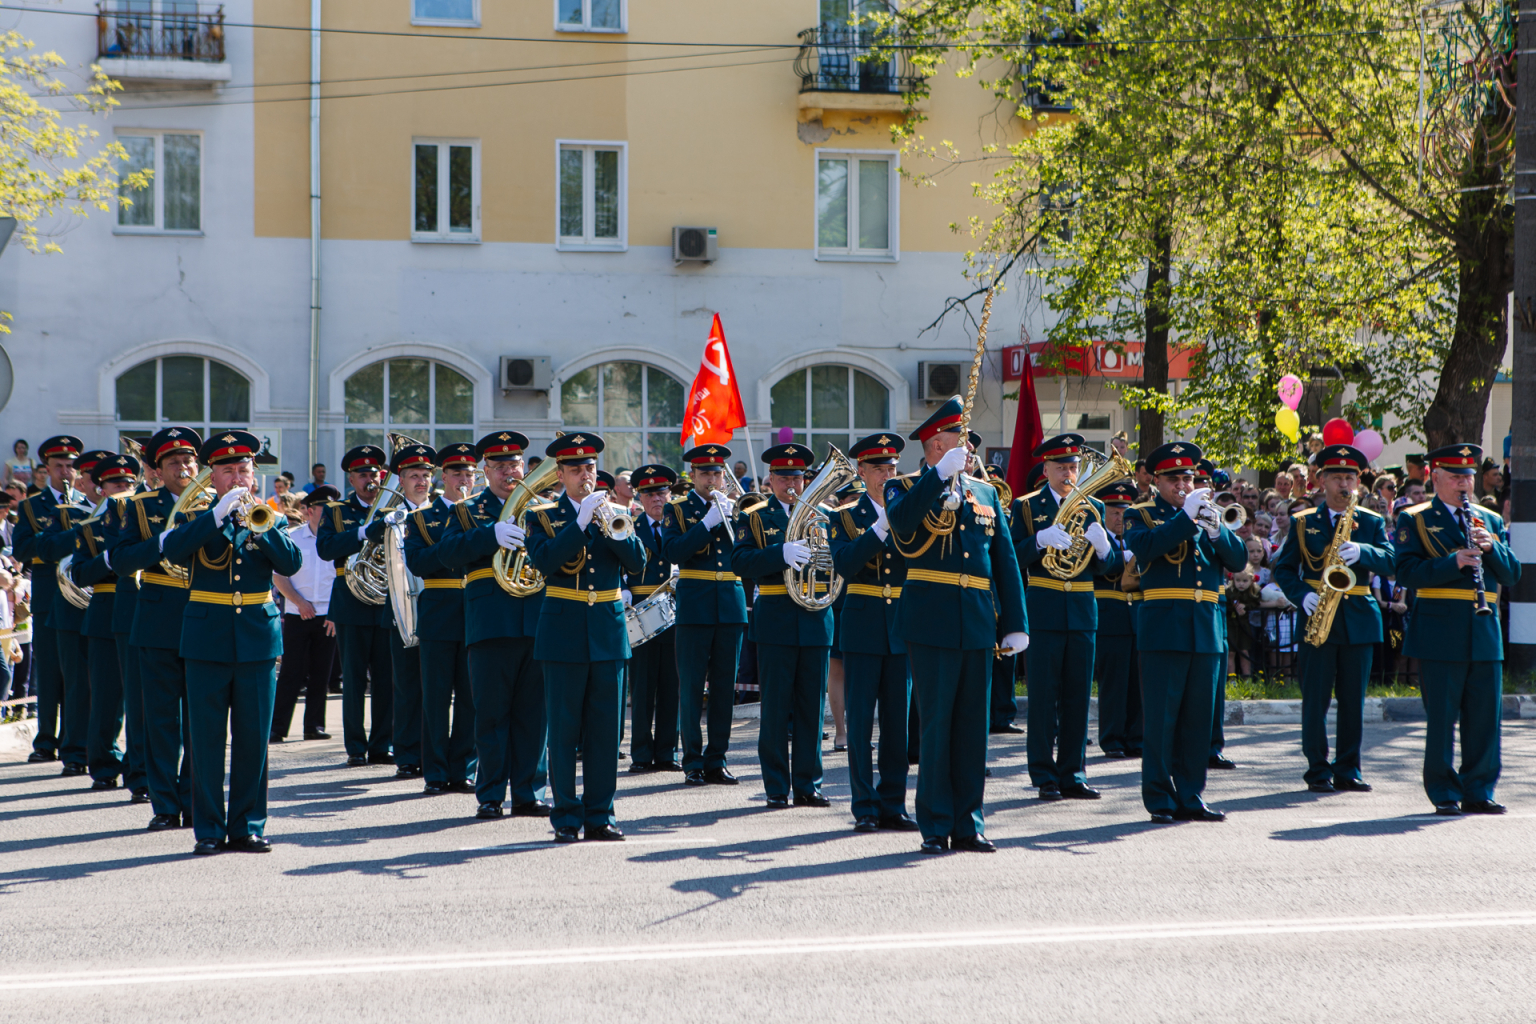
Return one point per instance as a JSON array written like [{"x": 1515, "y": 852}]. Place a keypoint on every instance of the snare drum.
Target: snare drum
[{"x": 650, "y": 617}]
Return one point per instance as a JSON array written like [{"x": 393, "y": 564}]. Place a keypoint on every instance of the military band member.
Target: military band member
[
  {"x": 230, "y": 639},
  {"x": 1339, "y": 670},
  {"x": 156, "y": 630},
  {"x": 1179, "y": 632},
  {"x": 499, "y": 632},
  {"x": 1004, "y": 707},
  {"x": 125, "y": 603},
  {"x": 875, "y": 672},
  {"x": 447, "y": 751},
  {"x": 1114, "y": 652},
  {"x": 963, "y": 591},
  {"x": 582, "y": 642},
  {"x": 362, "y": 630},
  {"x": 793, "y": 643},
  {"x": 413, "y": 465},
  {"x": 652, "y": 665},
  {"x": 1205, "y": 475},
  {"x": 1440, "y": 549},
  {"x": 1064, "y": 620},
  {"x": 711, "y": 613}
]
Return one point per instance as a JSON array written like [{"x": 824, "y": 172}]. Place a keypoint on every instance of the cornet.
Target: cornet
[
  {"x": 255, "y": 514},
  {"x": 615, "y": 521}
]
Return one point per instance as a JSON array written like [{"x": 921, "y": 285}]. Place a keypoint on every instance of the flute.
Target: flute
[{"x": 1477, "y": 570}]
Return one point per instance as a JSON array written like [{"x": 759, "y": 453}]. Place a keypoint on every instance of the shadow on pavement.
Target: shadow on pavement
[
  {"x": 1369, "y": 827},
  {"x": 11, "y": 880}
]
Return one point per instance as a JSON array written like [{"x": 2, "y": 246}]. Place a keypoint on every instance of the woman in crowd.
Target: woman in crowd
[{"x": 19, "y": 468}]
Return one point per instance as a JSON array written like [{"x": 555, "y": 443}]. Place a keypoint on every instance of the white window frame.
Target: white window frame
[
  {"x": 157, "y": 182},
  {"x": 586, "y": 20},
  {"x": 443, "y": 234},
  {"x": 588, "y": 242},
  {"x": 473, "y": 22},
  {"x": 416, "y": 430},
  {"x": 203, "y": 426},
  {"x": 853, "y": 254}
]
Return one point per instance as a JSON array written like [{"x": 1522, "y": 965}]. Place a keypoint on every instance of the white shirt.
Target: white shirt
[{"x": 315, "y": 577}]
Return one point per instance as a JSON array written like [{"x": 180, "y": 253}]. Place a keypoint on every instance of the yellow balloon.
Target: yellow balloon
[{"x": 1289, "y": 423}]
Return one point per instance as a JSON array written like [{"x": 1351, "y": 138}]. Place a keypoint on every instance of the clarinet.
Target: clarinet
[{"x": 1477, "y": 570}]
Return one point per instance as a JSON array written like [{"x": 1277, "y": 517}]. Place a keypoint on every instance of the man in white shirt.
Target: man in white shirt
[{"x": 309, "y": 639}]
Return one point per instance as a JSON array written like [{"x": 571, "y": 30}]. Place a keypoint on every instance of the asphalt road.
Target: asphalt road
[{"x": 381, "y": 905}]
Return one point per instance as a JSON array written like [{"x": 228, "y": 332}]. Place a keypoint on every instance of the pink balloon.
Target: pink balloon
[
  {"x": 786, "y": 435},
  {"x": 1370, "y": 443},
  {"x": 1290, "y": 390}
]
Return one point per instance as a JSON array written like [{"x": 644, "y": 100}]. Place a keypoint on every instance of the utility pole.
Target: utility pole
[{"x": 1521, "y": 656}]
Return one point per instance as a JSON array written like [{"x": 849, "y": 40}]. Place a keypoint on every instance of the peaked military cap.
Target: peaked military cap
[
  {"x": 413, "y": 455},
  {"x": 229, "y": 446},
  {"x": 1176, "y": 458},
  {"x": 1341, "y": 457},
  {"x": 502, "y": 446},
  {"x": 1061, "y": 448},
  {"x": 652, "y": 477},
  {"x": 88, "y": 461},
  {"x": 788, "y": 459},
  {"x": 705, "y": 455},
  {"x": 320, "y": 496},
  {"x": 61, "y": 446},
  {"x": 575, "y": 449},
  {"x": 1122, "y": 493},
  {"x": 605, "y": 480},
  {"x": 945, "y": 418},
  {"x": 364, "y": 456},
  {"x": 975, "y": 440},
  {"x": 461, "y": 453},
  {"x": 115, "y": 467},
  {"x": 1034, "y": 477},
  {"x": 1460, "y": 459},
  {"x": 880, "y": 449},
  {"x": 171, "y": 440}
]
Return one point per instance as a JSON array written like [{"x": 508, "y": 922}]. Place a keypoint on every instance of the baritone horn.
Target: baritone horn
[
  {"x": 816, "y": 585},
  {"x": 1075, "y": 510}
]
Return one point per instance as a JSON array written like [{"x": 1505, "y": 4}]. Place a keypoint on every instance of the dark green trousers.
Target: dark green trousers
[
  {"x": 510, "y": 720},
  {"x": 874, "y": 682},
  {"x": 167, "y": 730},
  {"x": 584, "y": 711},
  {"x": 367, "y": 681},
  {"x": 653, "y": 693},
  {"x": 1120, "y": 716},
  {"x": 134, "y": 755},
  {"x": 447, "y": 751},
  {"x": 47, "y": 687},
  {"x": 232, "y": 699},
  {"x": 1336, "y": 673},
  {"x": 102, "y": 755},
  {"x": 406, "y": 731},
  {"x": 1179, "y": 696},
  {"x": 951, "y": 689},
  {"x": 1470, "y": 692},
  {"x": 1219, "y": 712},
  {"x": 794, "y": 685},
  {"x": 707, "y": 653},
  {"x": 1060, "y": 685},
  {"x": 75, "y": 716}
]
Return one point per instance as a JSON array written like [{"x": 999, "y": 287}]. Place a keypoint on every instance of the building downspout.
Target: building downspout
[{"x": 314, "y": 231}]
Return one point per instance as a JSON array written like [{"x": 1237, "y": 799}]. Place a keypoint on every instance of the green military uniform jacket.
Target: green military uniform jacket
[
  {"x": 759, "y": 555},
  {"x": 1182, "y": 578},
  {"x": 1442, "y": 622},
  {"x": 440, "y": 606},
  {"x": 657, "y": 570},
  {"x": 708, "y": 590},
  {"x": 1117, "y": 607},
  {"x": 53, "y": 547},
  {"x": 1062, "y": 605},
  {"x": 37, "y": 516},
  {"x": 873, "y": 573},
  {"x": 1298, "y": 570},
  {"x": 337, "y": 540},
  {"x": 135, "y": 548},
  {"x": 90, "y": 569},
  {"x": 469, "y": 543},
  {"x": 583, "y": 615},
  {"x": 963, "y": 589}
]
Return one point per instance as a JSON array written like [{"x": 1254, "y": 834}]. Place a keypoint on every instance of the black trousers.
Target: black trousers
[
  {"x": 367, "y": 682},
  {"x": 406, "y": 663},
  {"x": 308, "y": 657},
  {"x": 653, "y": 698}
]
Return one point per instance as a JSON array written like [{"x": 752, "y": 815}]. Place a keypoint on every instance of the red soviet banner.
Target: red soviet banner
[{"x": 1098, "y": 359}]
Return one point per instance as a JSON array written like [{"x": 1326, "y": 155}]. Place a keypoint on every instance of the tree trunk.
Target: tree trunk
[
  {"x": 1154, "y": 352},
  {"x": 1485, "y": 232}
]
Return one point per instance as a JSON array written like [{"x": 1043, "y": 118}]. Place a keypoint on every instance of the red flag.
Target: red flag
[
  {"x": 714, "y": 402},
  {"x": 1027, "y": 432}
]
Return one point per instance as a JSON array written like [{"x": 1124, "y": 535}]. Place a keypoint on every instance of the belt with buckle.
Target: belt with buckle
[
  {"x": 162, "y": 580},
  {"x": 237, "y": 599},
  {"x": 713, "y": 577},
  {"x": 1111, "y": 595},
  {"x": 1066, "y": 586},
  {"x": 1180, "y": 594},
  {"x": 104, "y": 588},
  {"x": 953, "y": 579},
  {"x": 591, "y": 597},
  {"x": 442, "y": 584},
  {"x": 780, "y": 590},
  {"x": 1454, "y": 594},
  {"x": 874, "y": 590}
]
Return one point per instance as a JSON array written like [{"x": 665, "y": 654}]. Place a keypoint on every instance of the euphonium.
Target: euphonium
[
  {"x": 513, "y": 571},
  {"x": 808, "y": 523},
  {"x": 1073, "y": 515},
  {"x": 367, "y": 572},
  {"x": 1338, "y": 579},
  {"x": 197, "y": 497}
]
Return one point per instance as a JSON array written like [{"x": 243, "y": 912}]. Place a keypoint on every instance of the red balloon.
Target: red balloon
[{"x": 1338, "y": 431}]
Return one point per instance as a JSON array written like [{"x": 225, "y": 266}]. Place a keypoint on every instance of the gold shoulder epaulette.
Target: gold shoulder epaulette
[
  {"x": 334, "y": 504},
  {"x": 1032, "y": 493},
  {"x": 144, "y": 494},
  {"x": 1414, "y": 510},
  {"x": 1368, "y": 511},
  {"x": 1145, "y": 504},
  {"x": 677, "y": 500},
  {"x": 545, "y": 507},
  {"x": 1306, "y": 512}
]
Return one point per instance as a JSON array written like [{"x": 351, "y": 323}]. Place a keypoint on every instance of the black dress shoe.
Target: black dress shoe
[
  {"x": 1321, "y": 786},
  {"x": 1117, "y": 755},
  {"x": 694, "y": 779},
  {"x": 101, "y": 785},
  {"x": 356, "y": 762},
  {"x": 778, "y": 803},
  {"x": 1050, "y": 792},
  {"x": 1078, "y": 791},
  {"x": 898, "y": 823},
  {"x": 1220, "y": 761},
  {"x": 408, "y": 771},
  {"x": 720, "y": 777},
  {"x": 973, "y": 844},
  {"x": 1199, "y": 814},
  {"x": 811, "y": 800},
  {"x": 207, "y": 847},
  {"x": 1352, "y": 785},
  {"x": 1483, "y": 807},
  {"x": 867, "y": 825},
  {"x": 567, "y": 835},
  {"x": 72, "y": 770},
  {"x": 1448, "y": 810},
  {"x": 605, "y": 834},
  {"x": 1009, "y": 727},
  {"x": 274, "y": 738},
  {"x": 251, "y": 844},
  {"x": 532, "y": 809},
  {"x": 435, "y": 788},
  {"x": 461, "y": 786},
  {"x": 40, "y": 756},
  {"x": 139, "y": 796},
  {"x": 1136, "y": 752},
  {"x": 317, "y": 734},
  {"x": 489, "y": 811},
  {"x": 381, "y": 758},
  {"x": 1162, "y": 819},
  {"x": 641, "y": 768},
  {"x": 161, "y": 822},
  {"x": 666, "y": 766},
  {"x": 935, "y": 845}
]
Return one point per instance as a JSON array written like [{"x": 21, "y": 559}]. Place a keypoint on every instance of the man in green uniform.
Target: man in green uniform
[
  {"x": 230, "y": 639},
  {"x": 963, "y": 591},
  {"x": 1178, "y": 631},
  {"x": 1337, "y": 670},
  {"x": 413, "y": 466},
  {"x": 1443, "y": 549},
  {"x": 652, "y": 665},
  {"x": 1205, "y": 475},
  {"x": 1114, "y": 652}
]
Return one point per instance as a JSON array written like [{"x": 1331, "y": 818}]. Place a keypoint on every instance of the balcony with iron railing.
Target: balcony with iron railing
[
  {"x": 162, "y": 41},
  {"x": 853, "y": 69}
]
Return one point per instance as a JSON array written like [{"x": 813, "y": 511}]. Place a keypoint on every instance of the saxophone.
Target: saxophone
[{"x": 1338, "y": 579}]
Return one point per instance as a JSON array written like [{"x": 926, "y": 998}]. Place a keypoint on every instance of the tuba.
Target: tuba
[
  {"x": 1338, "y": 580},
  {"x": 512, "y": 570},
  {"x": 808, "y": 523},
  {"x": 1073, "y": 515},
  {"x": 367, "y": 573}
]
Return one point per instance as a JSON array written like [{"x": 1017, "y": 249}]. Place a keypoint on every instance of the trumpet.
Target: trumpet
[
  {"x": 254, "y": 514},
  {"x": 615, "y": 522},
  {"x": 1231, "y": 516}
]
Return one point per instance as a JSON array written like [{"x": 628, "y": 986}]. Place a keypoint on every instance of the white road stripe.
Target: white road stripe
[{"x": 462, "y": 961}]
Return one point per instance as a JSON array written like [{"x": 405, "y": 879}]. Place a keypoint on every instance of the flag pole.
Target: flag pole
[{"x": 751, "y": 456}]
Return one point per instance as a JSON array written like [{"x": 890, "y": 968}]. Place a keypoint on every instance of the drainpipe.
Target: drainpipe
[{"x": 314, "y": 231}]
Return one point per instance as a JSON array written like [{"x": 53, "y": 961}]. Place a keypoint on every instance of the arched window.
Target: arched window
[
  {"x": 421, "y": 398},
  {"x": 189, "y": 390},
  {"x": 637, "y": 408},
  {"x": 830, "y": 405}
]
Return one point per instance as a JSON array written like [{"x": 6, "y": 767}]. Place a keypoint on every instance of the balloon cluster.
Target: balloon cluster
[{"x": 1335, "y": 431}]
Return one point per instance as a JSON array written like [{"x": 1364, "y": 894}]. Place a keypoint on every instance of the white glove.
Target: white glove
[
  {"x": 162, "y": 543},
  {"x": 362, "y": 534},
  {"x": 797, "y": 553},
  {"x": 881, "y": 525},
  {"x": 590, "y": 502},
  {"x": 1310, "y": 602},
  {"x": 713, "y": 517},
  {"x": 1099, "y": 538},
  {"x": 1212, "y": 529},
  {"x": 230, "y": 499},
  {"x": 1195, "y": 500},
  {"x": 627, "y": 597},
  {"x": 106, "y": 559},
  {"x": 509, "y": 535},
  {"x": 1350, "y": 552},
  {"x": 1053, "y": 536},
  {"x": 1015, "y": 643},
  {"x": 952, "y": 462}
]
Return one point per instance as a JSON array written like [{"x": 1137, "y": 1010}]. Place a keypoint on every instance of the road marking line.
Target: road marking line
[{"x": 462, "y": 961}]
